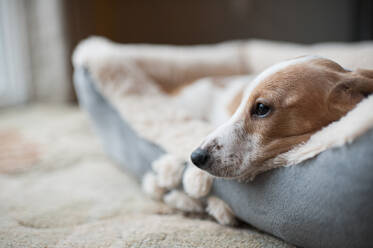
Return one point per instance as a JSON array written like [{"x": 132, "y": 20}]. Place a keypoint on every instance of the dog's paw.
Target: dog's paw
[
  {"x": 151, "y": 187},
  {"x": 169, "y": 170},
  {"x": 196, "y": 183},
  {"x": 220, "y": 211},
  {"x": 179, "y": 200}
]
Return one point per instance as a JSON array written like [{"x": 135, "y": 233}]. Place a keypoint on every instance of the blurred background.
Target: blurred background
[{"x": 37, "y": 37}]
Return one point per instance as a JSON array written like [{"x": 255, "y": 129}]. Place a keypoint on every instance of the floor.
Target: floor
[{"x": 59, "y": 189}]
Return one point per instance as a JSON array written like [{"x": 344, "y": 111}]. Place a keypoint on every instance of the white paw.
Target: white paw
[
  {"x": 150, "y": 186},
  {"x": 196, "y": 183},
  {"x": 169, "y": 171},
  {"x": 220, "y": 211},
  {"x": 179, "y": 200}
]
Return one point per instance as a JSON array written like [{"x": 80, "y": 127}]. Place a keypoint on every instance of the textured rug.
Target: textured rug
[{"x": 58, "y": 189}]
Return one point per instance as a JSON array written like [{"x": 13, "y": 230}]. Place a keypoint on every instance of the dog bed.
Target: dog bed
[{"x": 324, "y": 201}]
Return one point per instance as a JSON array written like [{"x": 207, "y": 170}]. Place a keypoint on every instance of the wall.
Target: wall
[
  {"x": 208, "y": 21},
  {"x": 49, "y": 54}
]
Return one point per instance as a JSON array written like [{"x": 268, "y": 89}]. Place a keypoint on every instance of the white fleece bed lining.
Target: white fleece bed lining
[
  {"x": 128, "y": 77},
  {"x": 153, "y": 115}
]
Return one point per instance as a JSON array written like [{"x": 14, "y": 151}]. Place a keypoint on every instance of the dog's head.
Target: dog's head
[{"x": 280, "y": 109}]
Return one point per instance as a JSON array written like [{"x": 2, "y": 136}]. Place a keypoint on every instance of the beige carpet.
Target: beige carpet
[{"x": 58, "y": 189}]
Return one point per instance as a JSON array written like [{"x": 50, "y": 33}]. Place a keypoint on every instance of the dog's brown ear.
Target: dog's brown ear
[
  {"x": 365, "y": 73},
  {"x": 346, "y": 94}
]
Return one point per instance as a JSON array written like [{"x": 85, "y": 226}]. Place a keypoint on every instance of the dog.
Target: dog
[
  {"x": 281, "y": 109},
  {"x": 257, "y": 120}
]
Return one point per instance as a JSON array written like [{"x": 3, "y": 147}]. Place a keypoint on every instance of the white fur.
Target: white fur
[
  {"x": 169, "y": 170},
  {"x": 179, "y": 200},
  {"x": 220, "y": 211},
  {"x": 150, "y": 186},
  {"x": 220, "y": 112},
  {"x": 196, "y": 182}
]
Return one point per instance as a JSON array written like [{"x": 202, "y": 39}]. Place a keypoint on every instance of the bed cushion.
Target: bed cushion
[{"x": 323, "y": 202}]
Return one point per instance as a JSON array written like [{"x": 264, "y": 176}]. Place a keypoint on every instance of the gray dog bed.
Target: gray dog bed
[{"x": 326, "y": 201}]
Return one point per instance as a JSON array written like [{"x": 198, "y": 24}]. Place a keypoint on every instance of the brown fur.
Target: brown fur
[{"x": 303, "y": 98}]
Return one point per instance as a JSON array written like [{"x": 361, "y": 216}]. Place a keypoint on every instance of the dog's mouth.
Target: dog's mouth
[
  {"x": 229, "y": 167},
  {"x": 241, "y": 172}
]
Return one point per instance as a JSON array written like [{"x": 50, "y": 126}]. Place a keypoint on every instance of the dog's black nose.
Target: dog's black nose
[{"x": 199, "y": 157}]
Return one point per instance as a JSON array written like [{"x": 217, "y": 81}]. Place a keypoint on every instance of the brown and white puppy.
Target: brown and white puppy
[{"x": 282, "y": 108}]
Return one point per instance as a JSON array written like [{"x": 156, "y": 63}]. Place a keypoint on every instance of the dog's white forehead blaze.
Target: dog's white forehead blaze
[{"x": 265, "y": 74}]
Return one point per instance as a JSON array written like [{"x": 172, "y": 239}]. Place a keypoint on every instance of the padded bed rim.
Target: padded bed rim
[{"x": 324, "y": 202}]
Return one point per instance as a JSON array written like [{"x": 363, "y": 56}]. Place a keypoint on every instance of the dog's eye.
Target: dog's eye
[{"x": 261, "y": 110}]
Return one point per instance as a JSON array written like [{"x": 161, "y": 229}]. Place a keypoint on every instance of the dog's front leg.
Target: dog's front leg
[
  {"x": 164, "y": 182},
  {"x": 168, "y": 173},
  {"x": 197, "y": 184},
  {"x": 220, "y": 210}
]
